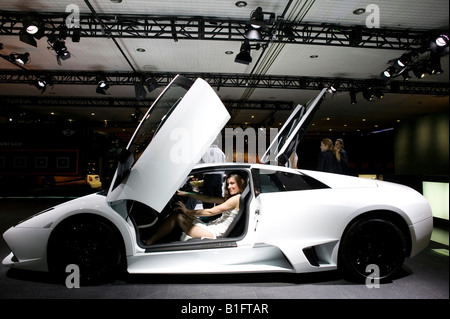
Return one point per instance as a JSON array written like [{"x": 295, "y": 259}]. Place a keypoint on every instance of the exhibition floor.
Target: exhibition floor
[{"x": 426, "y": 276}]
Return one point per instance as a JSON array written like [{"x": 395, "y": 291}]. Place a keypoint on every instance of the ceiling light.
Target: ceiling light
[
  {"x": 368, "y": 94},
  {"x": 76, "y": 35},
  {"x": 241, "y": 4},
  {"x": 139, "y": 91},
  {"x": 151, "y": 84},
  {"x": 257, "y": 18},
  {"x": 379, "y": 93},
  {"x": 27, "y": 38},
  {"x": 32, "y": 29},
  {"x": 288, "y": 32},
  {"x": 404, "y": 59},
  {"x": 244, "y": 56},
  {"x": 253, "y": 34},
  {"x": 406, "y": 76},
  {"x": 41, "y": 85},
  {"x": 439, "y": 44},
  {"x": 387, "y": 74},
  {"x": 359, "y": 11},
  {"x": 21, "y": 59},
  {"x": 59, "y": 46},
  {"x": 419, "y": 72},
  {"x": 442, "y": 40},
  {"x": 352, "y": 96},
  {"x": 33, "y": 26},
  {"x": 355, "y": 36},
  {"x": 102, "y": 85}
]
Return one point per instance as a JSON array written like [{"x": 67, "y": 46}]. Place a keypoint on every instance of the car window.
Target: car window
[
  {"x": 269, "y": 181},
  {"x": 157, "y": 115}
]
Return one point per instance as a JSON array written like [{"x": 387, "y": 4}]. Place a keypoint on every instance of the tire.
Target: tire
[
  {"x": 89, "y": 243},
  {"x": 372, "y": 242}
]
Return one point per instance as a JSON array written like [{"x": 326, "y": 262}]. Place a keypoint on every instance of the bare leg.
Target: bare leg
[
  {"x": 165, "y": 229},
  {"x": 185, "y": 222}
]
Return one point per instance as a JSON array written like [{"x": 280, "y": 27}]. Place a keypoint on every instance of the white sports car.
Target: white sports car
[{"x": 289, "y": 220}]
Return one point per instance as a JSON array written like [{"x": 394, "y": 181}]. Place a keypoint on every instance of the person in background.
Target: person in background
[
  {"x": 329, "y": 157},
  {"x": 213, "y": 181},
  {"x": 339, "y": 145}
]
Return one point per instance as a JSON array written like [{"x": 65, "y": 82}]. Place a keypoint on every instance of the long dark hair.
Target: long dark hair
[{"x": 240, "y": 180}]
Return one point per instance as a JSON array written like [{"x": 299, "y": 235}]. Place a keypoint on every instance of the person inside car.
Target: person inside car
[{"x": 187, "y": 219}]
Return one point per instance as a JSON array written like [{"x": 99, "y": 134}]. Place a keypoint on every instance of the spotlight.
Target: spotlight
[
  {"x": 33, "y": 26},
  {"x": 256, "y": 24},
  {"x": 404, "y": 60},
  {"x": 435, "y": 64},
  {"x": 332, "y": 88},
  {"x": 368, "y": 94},
  {"x": 387, "y": 74},
  {"x": 136, "y": 115},
  {"x": 253, "y": 34},
  {"x": 419, "y": 72},
  {"x": 102, "y": 85},
  {"x": 21, "y": 59},
  {"x": 355, "y": 36},
  {"x": 27, "y": 38},
  {"x": 139, "y": 91},
  {"x": 442, "y": 40},
  {"x": 76, "y": 35},
  {"x": 59, "y": 46},
  {"x": 257, "y": 19},
  {"x": 378, "y": 93},
  {"x": 288, "y": 33},
  {"x": 63, "y": 31},
  {"x": 439, "y": 44},
  {"x": 151, "y": 84},
  {"x": 406, "y": 76},
  {"x": 41, "y": 85},
  {"x": 244, "y": 56},
  {"x": 352, "y": 96}
]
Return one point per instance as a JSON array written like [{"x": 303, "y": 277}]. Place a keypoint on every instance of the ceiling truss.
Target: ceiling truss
[
  {"x": 211, "y": 28},
  {"x": 227, "y": 80}
]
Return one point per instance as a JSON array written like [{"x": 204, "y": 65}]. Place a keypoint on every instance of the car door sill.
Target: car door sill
[{"x": 192, "y": 244}]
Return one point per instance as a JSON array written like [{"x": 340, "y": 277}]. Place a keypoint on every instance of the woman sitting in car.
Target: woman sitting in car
[{"x": 187, "y": 219}]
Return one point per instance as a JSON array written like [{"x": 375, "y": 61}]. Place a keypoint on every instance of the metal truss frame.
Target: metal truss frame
[
  {"x": 212, "y": 28},
  {"x": 228, "y": 80}
]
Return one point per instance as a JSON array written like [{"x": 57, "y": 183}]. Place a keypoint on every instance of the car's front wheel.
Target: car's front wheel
[
  {"x": 372, "y": 247},
  {"x": 90, "y": 244}
]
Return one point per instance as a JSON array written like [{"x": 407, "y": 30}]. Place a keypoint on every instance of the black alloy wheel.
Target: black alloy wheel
[
  {"x": 90, "y": 244},
  {"x": 372, "y": 242}
]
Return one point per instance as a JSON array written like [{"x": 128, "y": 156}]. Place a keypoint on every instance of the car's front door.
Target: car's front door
[
  {"x": 171, "y": 138},
  {"x": 285, "y": 142}
]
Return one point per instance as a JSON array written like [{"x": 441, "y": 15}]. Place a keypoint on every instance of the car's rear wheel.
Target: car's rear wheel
[
  {"x": 89, "y": 243},
  {"x": 372, "y": 247}
]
